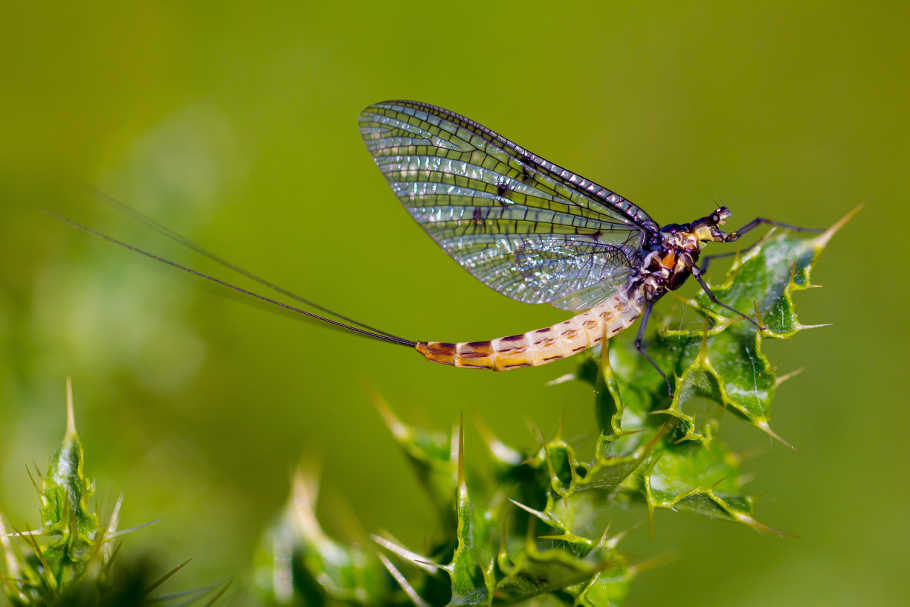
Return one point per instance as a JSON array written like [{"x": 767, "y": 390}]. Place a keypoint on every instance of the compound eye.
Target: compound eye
[{"x": 720, "y": 215}]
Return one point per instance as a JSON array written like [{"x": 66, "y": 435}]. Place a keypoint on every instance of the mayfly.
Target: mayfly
[{"x": 525, "y": 227}]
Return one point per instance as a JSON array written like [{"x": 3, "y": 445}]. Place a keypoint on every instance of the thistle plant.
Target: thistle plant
[
  {"x": 535, "y": 521},
  {"x": 70, "y": 559}
]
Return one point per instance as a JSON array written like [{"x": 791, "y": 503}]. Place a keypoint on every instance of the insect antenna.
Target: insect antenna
[
  {"x": 179, "y": 238},
  {"x": 351, "y": 328}
]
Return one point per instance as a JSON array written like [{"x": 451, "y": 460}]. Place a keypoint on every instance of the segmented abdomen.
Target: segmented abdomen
[{"x": 541, "y": 346}]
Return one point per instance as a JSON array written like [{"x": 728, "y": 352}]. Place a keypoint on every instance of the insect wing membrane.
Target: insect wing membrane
[{"x": 525, "y": 227}]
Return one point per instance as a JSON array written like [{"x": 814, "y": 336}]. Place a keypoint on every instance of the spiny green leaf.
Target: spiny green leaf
[
  {"x": 65, "y": 511},
  {"x": 721, "y": 359},
  {"x": 604, "y": 589},
  {"x": 11, "y": 569},
  {"x": 607, "y": 400},
  {"x": 658, "y": 450},
  {"x": 533, "y": 572},
  {"x": 471, "y": 569},
  {"x": 728, "y": 365},
  {"x": 299, "y": 559},
  {"x": 432, "y": 456},
  {"x": 508, "y": 464},
  {"x": 69, "y": 559},
  {"x": 703, "y": 478}
]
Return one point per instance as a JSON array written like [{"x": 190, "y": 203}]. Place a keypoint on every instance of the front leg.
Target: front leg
[
  {"x": 737, "y": 234},
  {"x": 707, "y": 259},
  {"x": 704, "y": 286}
]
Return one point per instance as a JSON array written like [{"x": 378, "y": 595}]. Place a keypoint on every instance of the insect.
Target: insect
[{"x": 525, "y": 227}]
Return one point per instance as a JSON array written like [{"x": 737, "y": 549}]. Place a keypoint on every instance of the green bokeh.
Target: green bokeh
[{"x": 236, "y": 125}]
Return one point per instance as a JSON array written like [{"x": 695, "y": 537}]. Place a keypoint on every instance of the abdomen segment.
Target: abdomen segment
[{"x": 540, "y": 346}]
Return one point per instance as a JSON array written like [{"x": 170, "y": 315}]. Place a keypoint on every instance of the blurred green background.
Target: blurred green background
[{"x": 235, "y": 124}]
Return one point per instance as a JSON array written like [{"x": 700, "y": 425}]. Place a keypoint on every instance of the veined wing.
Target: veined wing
[
  {"x": 560, "y": 269},
  {"x": 524, "y": 226}
]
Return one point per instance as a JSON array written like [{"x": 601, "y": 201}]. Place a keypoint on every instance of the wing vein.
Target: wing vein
[{"x": 521, "y": 224}]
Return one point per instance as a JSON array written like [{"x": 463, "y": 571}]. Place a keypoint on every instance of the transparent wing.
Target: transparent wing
[
  {"x": 588, "y": 297},
  {"x": 524, "y": 226}
]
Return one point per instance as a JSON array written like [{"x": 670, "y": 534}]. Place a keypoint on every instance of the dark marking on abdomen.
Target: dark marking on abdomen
[
  {"x": 442, "y": 347},
  {"x": 516, "y": 366},
  {"x": 475, "y": 349}
]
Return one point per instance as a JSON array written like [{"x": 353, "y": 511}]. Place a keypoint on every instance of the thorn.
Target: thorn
[
  {"x": 535, "y": 431},
  {"x": 562, "y": 425},
  {"x": 114, "y": 521},
  {"x": 38, "y": 552},
  {"x": 195, "y": 593},
  {"x": 748, "y": 520},
  {"x": 763, "y": 425},
  {"x": 412, "y": 557},
  {"x": 757, "y": 497},
  {"x": 652, "y": 563},
  {"x": 581, "y": 436},
  {"x": 348, "y": 525},
  {"x": 498, "y": 449},
  {"x": 70, "y": 416},
  {"x": 31, "y": 477},
  {"x": 12, "y": 565},
  {"x": 402, "y": 581},
  {"x": 167, "y": 576},
  {"x": 604, "y": 537},
  {"x": 109, "y": 563},
  {"x": 133, "y": 529},
  {"x": 821, "y": 240},
  {"x": 744, "y": 479},
  {"x": 611, "y": 542},
  {"x": 659, "y": 435},
  {"x": 561, "y": 379},
  {"x": 529, "y": 510},
  {"x": 462, "y": 486},
  {"x": 563, "y": 537},
  {"x": 717, "y": 482},
  {"x": 32, "y": 533},
  {"x": 398, "y": 429},
  {"x": 802, "y": 327},
  {"x": 788, "y": 376},
  {"x": 752, "y": 453},
  {"x": 219, "y": 594},
  {"x": 304, "y": 493}
]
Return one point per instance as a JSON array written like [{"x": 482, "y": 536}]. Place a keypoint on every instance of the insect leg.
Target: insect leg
[
  {"x": 640, "y": 345},
  {"x": 701, "y": 281},
  {"x": 707, "y": 259},
  {"x": 736, "y": 234}
]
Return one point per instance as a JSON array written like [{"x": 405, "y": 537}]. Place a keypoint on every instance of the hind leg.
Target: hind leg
[{"x": 640, "y": 345}]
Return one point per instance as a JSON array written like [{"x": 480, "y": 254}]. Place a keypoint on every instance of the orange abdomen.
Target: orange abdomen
[{"x": 540, "y": 346}]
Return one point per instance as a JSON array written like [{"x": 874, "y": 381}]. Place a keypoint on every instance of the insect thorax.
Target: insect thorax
[
  {"x": 667, "y": 266},
  {"x": 670, "y": 260}
]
